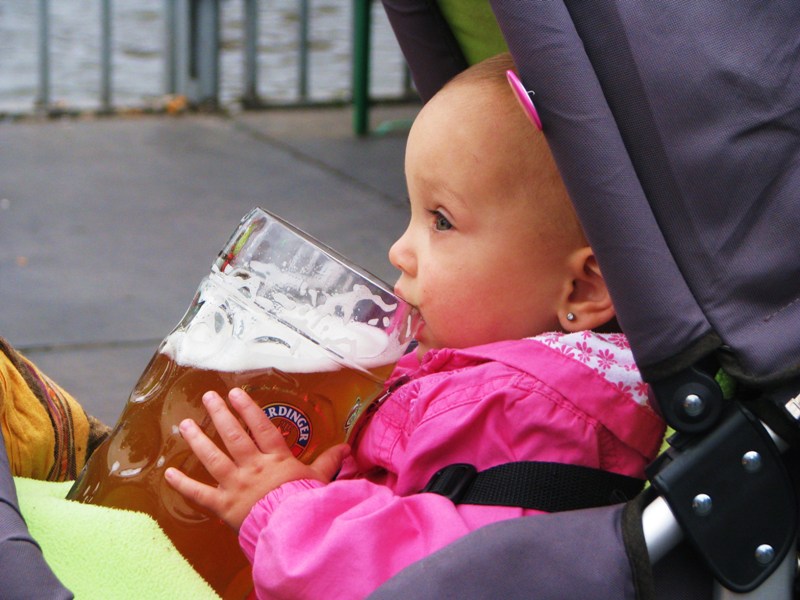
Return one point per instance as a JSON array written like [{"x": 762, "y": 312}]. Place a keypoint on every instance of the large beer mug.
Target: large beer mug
[{"x": 308, "y": 335}]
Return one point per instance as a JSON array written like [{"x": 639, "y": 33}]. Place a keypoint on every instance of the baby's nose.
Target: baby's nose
[{"x": 401, "y": 255}]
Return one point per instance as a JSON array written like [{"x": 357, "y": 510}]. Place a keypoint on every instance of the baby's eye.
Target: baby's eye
[{"x": 440, "y": 222}]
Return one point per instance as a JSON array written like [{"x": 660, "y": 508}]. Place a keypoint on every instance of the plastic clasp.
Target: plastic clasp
[{"x": 452, "y": 481}]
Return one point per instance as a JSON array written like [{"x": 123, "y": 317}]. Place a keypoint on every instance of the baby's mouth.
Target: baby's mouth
[{"x": 400, "y": 295}]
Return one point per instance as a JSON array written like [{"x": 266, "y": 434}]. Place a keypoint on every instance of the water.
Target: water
[{"x": 138, "y": 40}]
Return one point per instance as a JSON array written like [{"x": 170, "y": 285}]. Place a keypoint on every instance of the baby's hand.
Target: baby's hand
[{"x": 259, "y": 464}]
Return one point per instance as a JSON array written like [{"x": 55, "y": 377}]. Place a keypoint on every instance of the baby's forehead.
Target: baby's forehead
[
  {"x": 477, "y": 110},
  {"x": 488, "y": 115}
]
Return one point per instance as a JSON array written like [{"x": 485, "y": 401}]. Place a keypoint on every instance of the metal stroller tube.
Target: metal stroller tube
[{"x": 661, "y": 531}]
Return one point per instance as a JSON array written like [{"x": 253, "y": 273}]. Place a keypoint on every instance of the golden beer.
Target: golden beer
[
  {"x": 312, "y": 410},
  {"x": 311, "y": 340}
]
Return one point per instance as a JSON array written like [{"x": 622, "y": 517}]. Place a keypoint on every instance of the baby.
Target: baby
[{"x": 510, "y": 365}]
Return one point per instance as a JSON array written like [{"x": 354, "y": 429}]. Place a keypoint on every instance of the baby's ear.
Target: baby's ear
[{"x": 587, "y": 302}]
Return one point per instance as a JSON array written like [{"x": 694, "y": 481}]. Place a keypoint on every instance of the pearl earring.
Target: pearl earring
[{"x": 570, "y": 316}]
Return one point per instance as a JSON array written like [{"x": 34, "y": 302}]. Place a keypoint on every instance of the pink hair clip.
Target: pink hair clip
[{"x": 525, "y": 98}]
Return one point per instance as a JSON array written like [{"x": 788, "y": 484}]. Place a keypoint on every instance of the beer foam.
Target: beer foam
[{"x": 227, "y": 333}]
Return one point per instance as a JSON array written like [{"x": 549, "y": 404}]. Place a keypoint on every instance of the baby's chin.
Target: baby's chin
[
  {"x": 424, "y": 343},
  {"x": 421, "y": 350}
]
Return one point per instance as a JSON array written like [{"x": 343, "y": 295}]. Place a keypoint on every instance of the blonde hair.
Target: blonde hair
[{"x": 487, "y": 71}]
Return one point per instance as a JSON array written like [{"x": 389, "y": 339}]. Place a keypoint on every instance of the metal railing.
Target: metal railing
[
  {"x": 191, "y": 58},
  {"x": 43, "y": 96}
]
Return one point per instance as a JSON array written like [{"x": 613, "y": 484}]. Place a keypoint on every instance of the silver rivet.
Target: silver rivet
[
  {"x": 702, "y": 505},
  {"x": 751, "y": 461},
  {"x": 693, "y": 405},
  {"x": 764, "y": 554}
]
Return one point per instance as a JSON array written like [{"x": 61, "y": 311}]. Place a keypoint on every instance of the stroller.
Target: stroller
[{"x": 676, "y": 126}]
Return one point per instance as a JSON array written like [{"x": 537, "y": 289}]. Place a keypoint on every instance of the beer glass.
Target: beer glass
[{"x": 310, "y": 336}]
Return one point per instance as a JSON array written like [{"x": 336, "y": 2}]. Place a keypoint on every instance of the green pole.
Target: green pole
[{"x": 361, "y": 46}]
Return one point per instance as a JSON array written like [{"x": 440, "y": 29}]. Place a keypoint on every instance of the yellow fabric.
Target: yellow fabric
[
  {"x": 474, "y": 27},
  {"x": 46, "y": 431}
]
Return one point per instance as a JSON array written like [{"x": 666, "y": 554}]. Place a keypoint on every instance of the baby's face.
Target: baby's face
[{"x": 480, "y": 257}]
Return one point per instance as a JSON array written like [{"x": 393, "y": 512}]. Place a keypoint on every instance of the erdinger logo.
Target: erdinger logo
[{"x": 292, "y": 423}]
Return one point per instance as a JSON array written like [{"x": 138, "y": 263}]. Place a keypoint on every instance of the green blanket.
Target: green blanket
[
  {"x": 105, "y": 553},
  {"x": 474, "y": 26}
]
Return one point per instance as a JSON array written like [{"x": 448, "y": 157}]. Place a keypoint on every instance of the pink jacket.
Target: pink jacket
[{"x": 571, "y": 398}]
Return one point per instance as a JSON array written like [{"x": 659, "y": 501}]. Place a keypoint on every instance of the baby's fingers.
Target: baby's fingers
[
  {"x": 267, "y": 437},
  {"x": 327, "y": 464},
  {"x": 233, "y": 435},
  {"x": 199, "y": 493},
  {"x": 208, "y": 453}
]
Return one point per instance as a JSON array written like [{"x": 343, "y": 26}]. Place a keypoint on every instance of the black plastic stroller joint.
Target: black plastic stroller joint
[
  {"x": 732, "y": 496},
  {"x": 690, "y": 401}
]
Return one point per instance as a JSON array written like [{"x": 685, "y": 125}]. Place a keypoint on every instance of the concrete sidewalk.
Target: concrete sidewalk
[{"x": 107, "y": 226}]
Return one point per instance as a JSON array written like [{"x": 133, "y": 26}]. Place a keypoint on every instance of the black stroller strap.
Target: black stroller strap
[{"x": 546, "y": 486}]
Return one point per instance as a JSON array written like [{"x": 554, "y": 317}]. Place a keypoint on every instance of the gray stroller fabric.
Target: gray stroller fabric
[
  {"x": 540, "y": 549},
  {"x": 25, "y": 574},
  {"x": 677, "y": 129},
  {"x": 578, "y": 554},
  {"x": 428, "y": 43}
]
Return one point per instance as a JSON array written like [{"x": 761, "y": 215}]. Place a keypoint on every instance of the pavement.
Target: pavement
[{"x": 108, "y": 224}]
